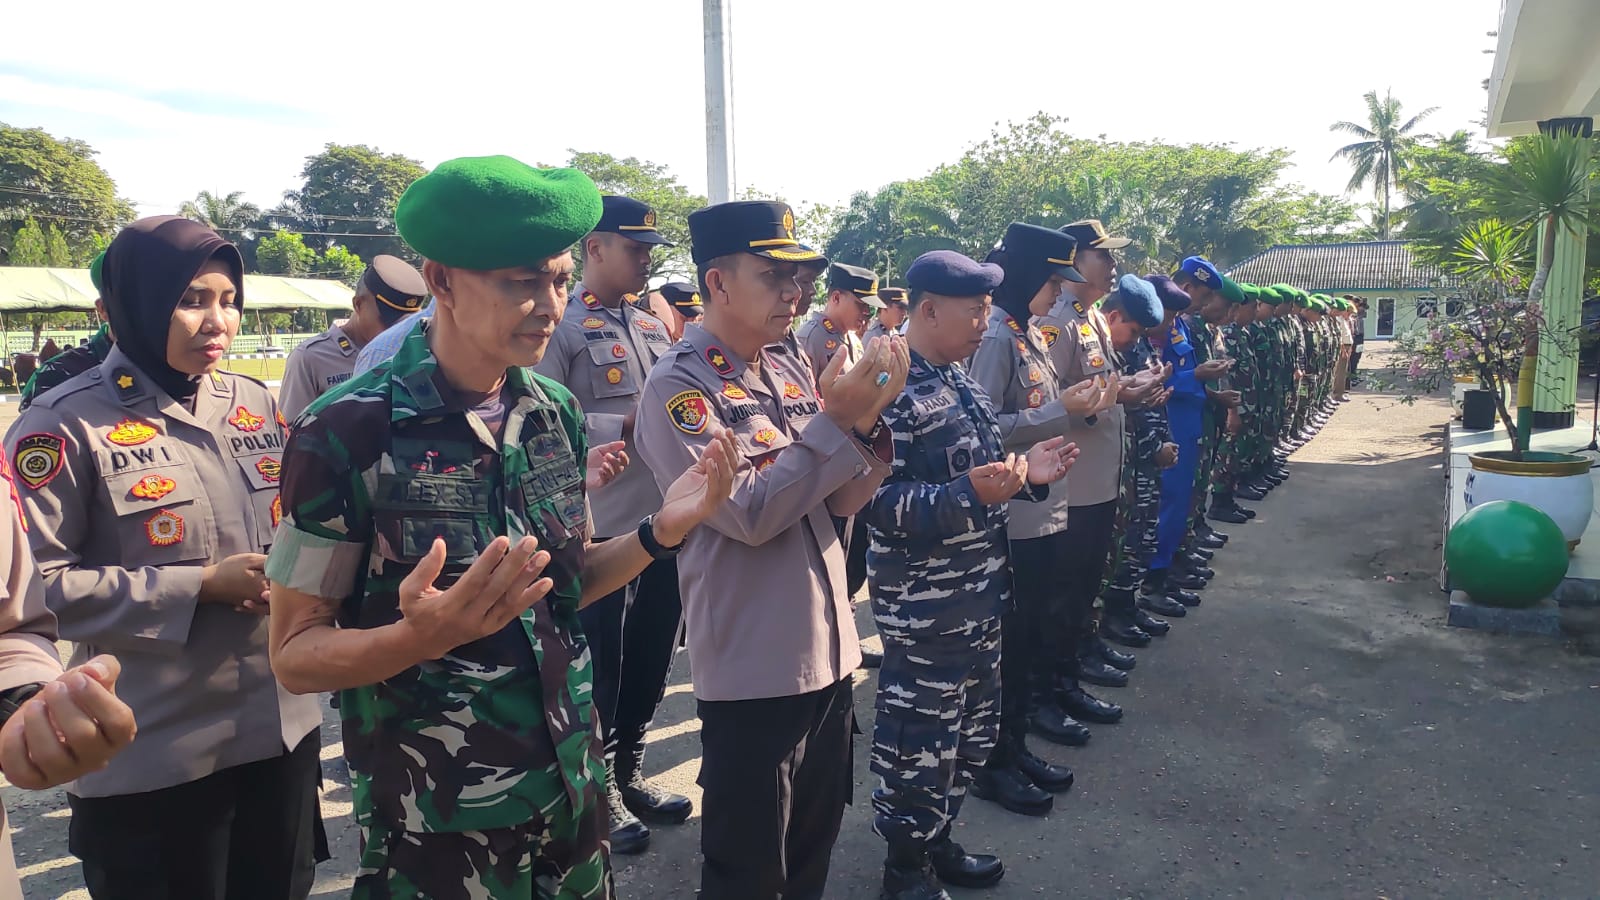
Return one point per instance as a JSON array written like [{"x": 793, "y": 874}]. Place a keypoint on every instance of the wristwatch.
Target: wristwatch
[
  {"x": 871, "y": 437},
  {"x": 647, "y": 539}
]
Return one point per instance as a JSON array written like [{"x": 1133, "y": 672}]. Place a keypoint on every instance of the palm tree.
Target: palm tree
[
  {"x": 1490, "y": 251},
  {"x": 227, "y": 214},
  {"x": 1379, "y": 158},
  {"x": 1544, "y": 183}
]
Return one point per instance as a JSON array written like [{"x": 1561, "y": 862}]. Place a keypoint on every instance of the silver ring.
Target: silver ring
[{"x": 883, "y": 378}]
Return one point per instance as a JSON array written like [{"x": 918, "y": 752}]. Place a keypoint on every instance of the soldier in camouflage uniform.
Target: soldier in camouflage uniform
[
  {"x": 57, "y": 369},
  {"x": 468, "y": 726},
  {"x": 939, "y": 575},
  {"x": 1130, "y": 311},
  {"x": 1239, "y": 343}
]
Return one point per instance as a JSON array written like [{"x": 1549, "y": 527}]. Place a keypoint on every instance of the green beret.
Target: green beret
[
  {"x": 494, "y": 212},
  {"x": 95, "y": 267},
  {"x": 1230, "y": 290},
  {"x": 1270, "y": 295},
  {"x": 1249, "y": 292}
]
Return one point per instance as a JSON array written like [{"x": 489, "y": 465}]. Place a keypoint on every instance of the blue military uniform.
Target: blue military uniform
[
  {"x": 939, "y": 575},
  {"x": 1185, "y": 420}
]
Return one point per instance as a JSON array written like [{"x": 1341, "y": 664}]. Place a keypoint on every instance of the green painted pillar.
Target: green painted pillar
[{"x": 1555, "y": 390}]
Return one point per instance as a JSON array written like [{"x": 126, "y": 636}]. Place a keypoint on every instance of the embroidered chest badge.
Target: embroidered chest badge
[
  {"x": 689, "y": 411},
  {"x": 766, "y": 436},
  {"x": 594, "y": 322},
  {"x": 271, "y": 469},
  {"x": 1035, "y": 398},
  {"x": 734, "y": 392},
  {"x": 791, "y": 391},
  {"x": 129, "y": 433},
  {"x": 245, "y": 420},
  {"x": 164, "y": 529},
  {"x": 1085, "y": 331},
  {"x": 153, "y": 487},
  {"x": 614, "y": 375},
  {"x": 277, "y": 510}
]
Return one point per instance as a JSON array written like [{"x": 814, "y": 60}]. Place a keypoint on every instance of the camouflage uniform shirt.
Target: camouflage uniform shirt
[
  {"x": 57, "y": 369},
  {"x": 499, "y": 732}
]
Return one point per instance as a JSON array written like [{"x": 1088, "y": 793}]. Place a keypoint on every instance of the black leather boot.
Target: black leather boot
[
  {"x": 1163, "y": 605},
  {"x": 1091, "y": 667},
  {"x": 956, "y": 866},
  {"x": 1248, "y": 491},
  {"x": 1151, "y": 624},
  {"x": 1227, "y": 511},
  {"x": 1080, "y": 704},
  {"x": 1002, "y": 783},
  {"x": 648, "y": 801},
  {"x": 1184, "y": 598},
  {"x": 1052, "y": 723},
  {"x": 1124, "y": 661},
  {"x": 1200, "y": 554},
  {"x": 628, "y": 835},
  {"x": 1047, "y": 775},
  {"x": 908, "y": 874}
]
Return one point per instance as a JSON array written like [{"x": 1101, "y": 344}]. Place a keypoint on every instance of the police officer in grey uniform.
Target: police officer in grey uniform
[
  {"x": 852, "y": 296},
  {"x": 390, "y": 289},
  {"x": 683, "y": 300},
  {"x": 938, "y": 571},
  {"x": 1013, "y": 366},
  {"x": 892, "y": 318},
  {"x": 602, "y": 351}
]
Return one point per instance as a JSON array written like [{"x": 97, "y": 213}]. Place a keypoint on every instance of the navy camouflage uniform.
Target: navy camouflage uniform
[
  {"x": 1140, "y": 502},
  {"x": 939, "y": 575}
]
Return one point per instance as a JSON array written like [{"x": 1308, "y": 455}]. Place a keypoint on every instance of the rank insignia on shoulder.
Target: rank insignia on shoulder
[
  {"x": 689, "y": 411},
  {"x": 270, "y": 468},
  {"x": 345, "y": 345},
  {"x": 129, "y": 433},
  {"x": 1077, "y": 307},
  {"x": 39, "y": 458},
  {"x": 164, "y": 529},
  {"x": 613, "y": 375},
  {"x": 124, "y": 381},
  {"x": 733, "y": 391},
  {"x": 245, "y": 420},
  {"x": 719, "y": 361},
  {"x": 1014, "y": 326},
  {"x": 791, "y": 391},
  {"x": 153, "y": 487},
  {"x": 1050, "y": 333},
  {"x": 828, "y": 326},
  {"x": 589, "y": 300},
  {"x": 594, "y": 322}
]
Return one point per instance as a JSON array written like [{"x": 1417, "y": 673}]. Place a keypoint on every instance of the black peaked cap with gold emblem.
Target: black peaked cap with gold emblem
[
  {"x": 761, "y": 227},
  {"x": 630, "y": 218}
]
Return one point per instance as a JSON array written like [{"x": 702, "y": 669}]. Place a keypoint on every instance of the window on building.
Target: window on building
[
  {"x": 1385, "y": 327},
  {"x": 1452, "y": 307},
  {"x": 1427, "y": 307}
]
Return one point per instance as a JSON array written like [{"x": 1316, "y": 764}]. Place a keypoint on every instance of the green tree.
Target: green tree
[
  {"x": 56, "y": 181},
  {"x": 227, "y": 214},
  {"x": 56, "y": 250},
  {"x": 339, "y": 263},
  {"x": 28, "y": 246},
  {"x": 284, "y": 253},
  {"x": 654, "y": 184},
  {"x": 1380, "y": 157},
  {"x": 348, "y": 197}
]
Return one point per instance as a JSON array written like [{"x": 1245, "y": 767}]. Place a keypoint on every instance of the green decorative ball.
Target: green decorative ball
[{"x": 1506, "y": 553}]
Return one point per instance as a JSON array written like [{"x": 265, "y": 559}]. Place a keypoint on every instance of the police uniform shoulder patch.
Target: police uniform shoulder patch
[
  {"x": 245, "y": 420},
  {"x": 164, "y": 529},
  {"x": 153, "y": 487},
  {"x": 733, "y": 391},
  {"x": 1050, "y": 334},
  {"x": 719, "y": 361},
  {"x": 40, "y": 458},
  {"x": 129, "y": 433},
  {"x": 689, "y": 411}
]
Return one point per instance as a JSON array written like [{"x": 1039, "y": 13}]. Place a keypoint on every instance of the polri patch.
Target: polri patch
[
  {"x": 245, "y": 420},
  {"x": 129, "y": 433},
  {"x": 791, "y": 391},
  {"x": 689, "y": 411},
  {"x": 164, "y": 529},
  {"x": 733, "y": 391},
  {"x": 1050, "y": 333},
  {"x": 40, "y": 458}
]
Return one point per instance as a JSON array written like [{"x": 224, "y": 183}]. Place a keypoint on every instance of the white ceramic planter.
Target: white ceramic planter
[{"x": 1558, "y": 484}]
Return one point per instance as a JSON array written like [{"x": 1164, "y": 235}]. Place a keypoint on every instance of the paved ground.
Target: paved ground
[{"x": 1314, "y": 729}]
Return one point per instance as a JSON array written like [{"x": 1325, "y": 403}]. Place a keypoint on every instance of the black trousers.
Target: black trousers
[
  {"x": 250, "y": 832},
  {"x": 1090, "y": 536},
  {"x": 1036, "y": 600},
  {"x": 632, "y": 634},
  {"x": 777, "y": 776},
  {"x": 1355, "y": 361}
]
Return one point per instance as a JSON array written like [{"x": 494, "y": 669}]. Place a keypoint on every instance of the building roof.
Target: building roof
[{"x": 1328, "y": 268}]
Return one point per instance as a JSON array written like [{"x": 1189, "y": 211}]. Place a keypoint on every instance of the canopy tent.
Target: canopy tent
[{"x": 42, "y": 290}]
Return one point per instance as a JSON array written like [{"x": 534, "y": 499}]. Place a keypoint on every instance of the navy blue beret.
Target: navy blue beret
[
  {"x": 1172, "y": 297},
  {"x": 1139, "y": 298},
  {"x": 1200, "y": 269},
  {"x": 949, "y": 273}
]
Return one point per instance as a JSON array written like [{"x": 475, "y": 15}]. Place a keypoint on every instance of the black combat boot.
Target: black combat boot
[
  {"x": 628, "y": 835},
  {"x": 1151, "y": 624},
  {"x": 908, "y": 874},
  {"x": 1047, "y": 775},
  {"x": 1248, "y": 491},
  {"x": 648, "y": 801},
  {"x": 1124, "y": 661},
  {"x": 1200, "y": 554},
  {"x": 1080, "y": 704},
  {"x": 1224, "y": 509},
  {"x": 1001, "y": 782},
  {"x": 1091, "y": 667},
  {"x": 956, "y": 866},
  {"x": 1052, "y": 723},
  {"x": 1198, "y": 570}
]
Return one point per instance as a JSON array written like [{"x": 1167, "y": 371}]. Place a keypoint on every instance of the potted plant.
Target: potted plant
[{"x": 1488, "y": 342}]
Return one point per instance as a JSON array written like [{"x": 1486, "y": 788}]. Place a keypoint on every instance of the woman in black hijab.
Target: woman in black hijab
[{"x": 150, "y": 484}]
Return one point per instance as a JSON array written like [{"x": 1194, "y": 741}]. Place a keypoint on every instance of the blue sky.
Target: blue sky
[{"x": 830, "y": 96}]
